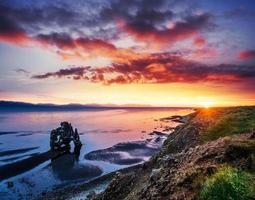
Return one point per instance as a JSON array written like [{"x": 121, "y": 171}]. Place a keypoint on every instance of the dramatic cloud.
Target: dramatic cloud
[
  {"x": 178, "y": 31},
  {"x": 9, "y": 28},
  {"x": 19, "y": 25},
  {"x": 93, "y": 29},
  {"x": 80, "y": 47},
  {"x": 55, "y": 15},
  {"x": 156, "y": 68},
  {"x": 152, "y": 22},
  {"x": 248, "y": 54}
]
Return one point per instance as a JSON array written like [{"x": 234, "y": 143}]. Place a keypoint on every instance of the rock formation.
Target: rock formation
[{"x": 61, "y": 137}]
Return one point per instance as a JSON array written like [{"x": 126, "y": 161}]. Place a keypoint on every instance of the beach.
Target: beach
[{"x": 130, "y": 140}]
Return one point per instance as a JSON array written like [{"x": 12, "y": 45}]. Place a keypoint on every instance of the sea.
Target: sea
[{"x": 27, "y": 134}]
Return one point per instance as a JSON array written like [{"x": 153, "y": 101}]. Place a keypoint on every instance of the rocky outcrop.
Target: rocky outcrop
[
  {"x": 177, "y": 171},
  {"x": 62, "y": 136}
]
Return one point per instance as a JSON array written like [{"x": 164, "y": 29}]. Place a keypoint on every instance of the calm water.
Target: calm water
[{"x": 98, "y": 129}]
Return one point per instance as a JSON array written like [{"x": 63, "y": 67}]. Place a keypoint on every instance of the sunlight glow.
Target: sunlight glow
[{"x": 207, "y": 104}]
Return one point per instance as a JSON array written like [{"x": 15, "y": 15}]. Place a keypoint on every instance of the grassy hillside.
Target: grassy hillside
[{"x": 227, "y": 121}]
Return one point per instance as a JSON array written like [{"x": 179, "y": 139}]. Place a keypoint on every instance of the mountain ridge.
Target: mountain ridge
[{"x": 18, "y": 105}]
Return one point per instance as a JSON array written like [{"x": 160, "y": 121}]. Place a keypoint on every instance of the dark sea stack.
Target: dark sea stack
[
  {"x": 61, "y": 137},
  {"x": 60, "y": 146}
]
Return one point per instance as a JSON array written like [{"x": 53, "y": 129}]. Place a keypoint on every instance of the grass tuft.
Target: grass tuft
[{"x": 228, "y": 184}]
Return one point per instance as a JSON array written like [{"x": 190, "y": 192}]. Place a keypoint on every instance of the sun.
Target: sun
[{"x": 207, "y": 104}]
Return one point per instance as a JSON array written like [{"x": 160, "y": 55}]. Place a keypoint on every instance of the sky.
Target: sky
[{"x": 149, "y": 52}]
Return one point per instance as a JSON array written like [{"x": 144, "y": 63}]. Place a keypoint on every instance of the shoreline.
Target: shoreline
[
  {"x": 69, "y": 191},
  {"x": 192, "y": 156}
]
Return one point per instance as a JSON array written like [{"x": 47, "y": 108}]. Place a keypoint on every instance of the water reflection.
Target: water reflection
[
  {"x": 66, "y": 167},
  {"x": 99, "y": 130}
]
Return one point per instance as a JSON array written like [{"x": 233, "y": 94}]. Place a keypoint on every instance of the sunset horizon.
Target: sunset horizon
[
  {"x": 159, "y": 53},
  {"x": 127, "y": 99},
  {"x": 199, "y": 104}
]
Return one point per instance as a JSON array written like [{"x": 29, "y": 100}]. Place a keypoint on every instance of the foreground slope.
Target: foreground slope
[{"x": 212, "y": 154}]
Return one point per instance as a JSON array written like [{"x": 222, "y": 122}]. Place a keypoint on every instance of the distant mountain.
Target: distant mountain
[{"x": 23, "y": 106}]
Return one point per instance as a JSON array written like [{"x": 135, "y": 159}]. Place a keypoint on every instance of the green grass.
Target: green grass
[
  {"x": 228, "y": 184},
  {"x": 232, "y": 121}
]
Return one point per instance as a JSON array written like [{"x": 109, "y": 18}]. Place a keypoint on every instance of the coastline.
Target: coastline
[
  {"x": 215, "y": 144},
  {"x": 100, "y": 183},
  {"x": 128, "y": 146},
  {"x": 205, "y": 142}
]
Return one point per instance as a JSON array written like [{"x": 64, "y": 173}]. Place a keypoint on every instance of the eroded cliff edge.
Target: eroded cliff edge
[{"x": 193, "y": 156}]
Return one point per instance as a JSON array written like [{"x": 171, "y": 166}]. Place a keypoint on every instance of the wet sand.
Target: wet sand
[
  {"x": 129, "y": 153},
  {"x": 18, "y": 157},
  {"x": 64, "y": 167},
  {"x": 8, "y": 132},
  {"x": 16, "y": 151},
  {"x": 22, "y": 166},
  {"x": 73, "y": 191}
]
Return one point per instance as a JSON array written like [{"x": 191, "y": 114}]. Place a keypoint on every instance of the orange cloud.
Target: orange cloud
[
  {"x": 156, "y": 68},
  {"x": 247, "y": 54},
  {"x": 198, "y": 42},
  {"x": 18, "y": 38}
]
